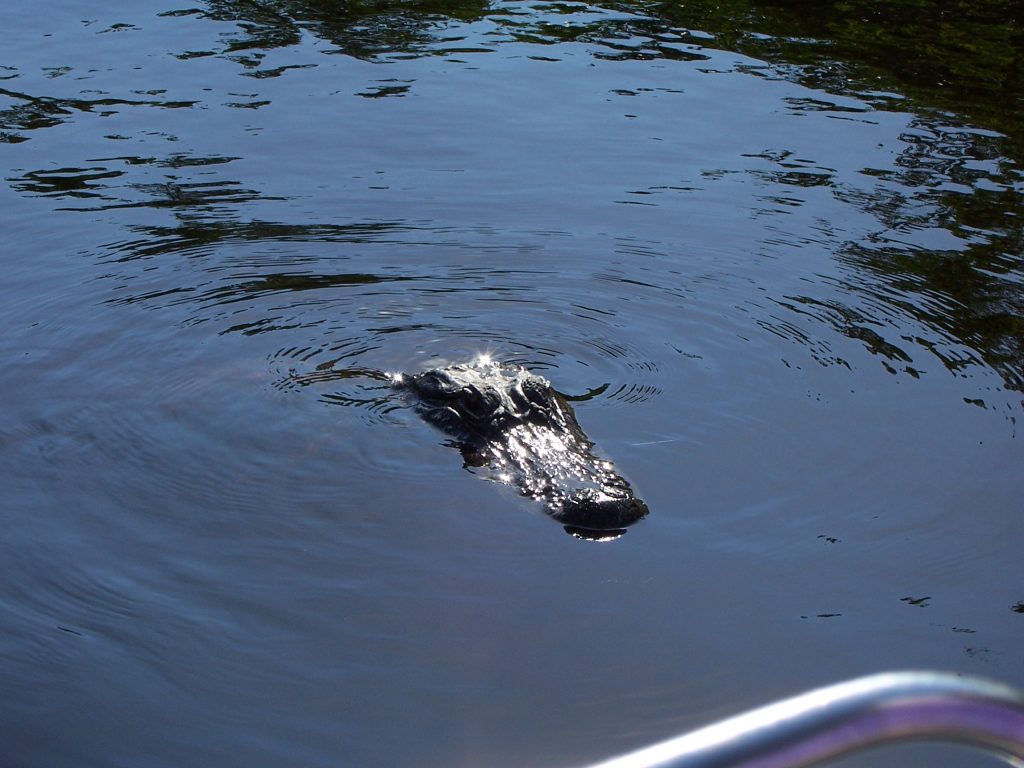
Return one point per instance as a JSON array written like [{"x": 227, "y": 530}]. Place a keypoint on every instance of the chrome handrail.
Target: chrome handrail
[{"x": 839, "y": 719}]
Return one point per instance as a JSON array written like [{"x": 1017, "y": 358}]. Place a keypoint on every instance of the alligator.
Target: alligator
[{"x": 515, "y": 425}]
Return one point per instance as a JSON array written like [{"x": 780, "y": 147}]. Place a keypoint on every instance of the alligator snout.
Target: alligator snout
[{"x": 592, "y": 515}]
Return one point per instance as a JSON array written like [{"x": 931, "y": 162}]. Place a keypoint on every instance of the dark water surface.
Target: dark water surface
[{"x": 782, "y": 240}]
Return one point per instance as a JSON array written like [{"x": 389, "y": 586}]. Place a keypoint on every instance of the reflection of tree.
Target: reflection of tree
[
  {"x": 947, "y": 252},
  {"x": 967, "y": 58},
  {"x": 30, "y": 112},
  {"x": 957, "y": 64},
  {"x": 375, "y": 28},
  {"x": 954, "y": 62},
  {"x": 937, "y": 185},
  {"x": 361, "y": 28}
]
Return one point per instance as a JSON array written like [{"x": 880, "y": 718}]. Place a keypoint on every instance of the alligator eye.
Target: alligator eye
[
  {"x": 472, "y": 398},
  {"x": 536, "y": 392},
  {"x": 431, "y": 384}
]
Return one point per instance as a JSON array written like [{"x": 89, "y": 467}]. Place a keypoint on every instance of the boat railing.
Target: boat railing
[{"x": 834, "y": 721}]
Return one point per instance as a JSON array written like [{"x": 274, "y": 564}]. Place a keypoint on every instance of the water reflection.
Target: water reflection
[
  {"x": 389, "y": 29},
  {"x": 360, "y": 29},
  {"x": 943, "y": 55},
  {"x": 944, "y": 253},
  {"x": 951, "y": 238},
  {"x": 30, "y": 112}
]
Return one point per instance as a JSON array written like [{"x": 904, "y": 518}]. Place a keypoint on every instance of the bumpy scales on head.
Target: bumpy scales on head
[{"x": 514, "y": 423}]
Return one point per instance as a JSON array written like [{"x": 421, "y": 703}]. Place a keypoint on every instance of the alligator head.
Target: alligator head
[{"x": 514, "y": 424}]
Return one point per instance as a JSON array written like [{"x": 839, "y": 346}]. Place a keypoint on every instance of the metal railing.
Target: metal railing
[{"x": 834, "y": 721}]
